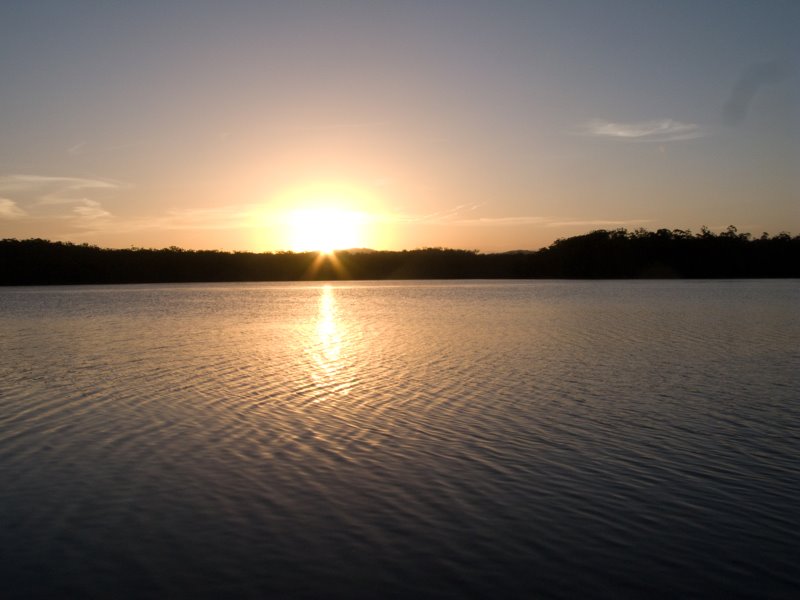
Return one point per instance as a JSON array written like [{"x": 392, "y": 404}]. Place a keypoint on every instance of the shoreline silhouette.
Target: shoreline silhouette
[{"x": 600, "y": 254}]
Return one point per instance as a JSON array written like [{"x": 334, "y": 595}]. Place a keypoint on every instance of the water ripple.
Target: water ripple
[{"x": 482, "y": 439}]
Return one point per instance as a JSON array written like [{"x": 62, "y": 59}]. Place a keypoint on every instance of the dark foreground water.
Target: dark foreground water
[{"x": 444, "y": 439}]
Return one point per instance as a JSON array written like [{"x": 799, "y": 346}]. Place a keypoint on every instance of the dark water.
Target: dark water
[{"x": 459, "y": 440}]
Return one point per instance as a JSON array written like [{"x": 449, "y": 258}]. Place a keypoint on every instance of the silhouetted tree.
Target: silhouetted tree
[{"x": 597, "y": 254}]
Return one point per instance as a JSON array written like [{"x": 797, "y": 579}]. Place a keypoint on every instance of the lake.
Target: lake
[{"x": 449, "y": 439}]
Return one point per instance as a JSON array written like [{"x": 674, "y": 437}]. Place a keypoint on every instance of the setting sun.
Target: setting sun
[
  {"x": 325, "y": 229},
  {"x": 323, "y": 217}
]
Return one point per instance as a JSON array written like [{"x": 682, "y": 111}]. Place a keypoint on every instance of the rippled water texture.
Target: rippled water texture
[{"x": 442, "y": 439}]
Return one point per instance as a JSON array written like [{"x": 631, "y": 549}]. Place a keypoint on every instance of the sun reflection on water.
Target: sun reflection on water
[
  {"x": 328, "y": 331},
  {"x": 327, "y": 348}
]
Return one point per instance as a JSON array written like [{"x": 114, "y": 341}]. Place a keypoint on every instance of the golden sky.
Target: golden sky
[{"x": 391, "y": 125}]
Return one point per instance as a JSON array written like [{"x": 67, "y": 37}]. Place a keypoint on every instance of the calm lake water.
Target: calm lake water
[{"x": 401, "y": 439}]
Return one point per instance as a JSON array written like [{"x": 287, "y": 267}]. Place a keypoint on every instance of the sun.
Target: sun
[
  {"x": 325, "y": 229},
  {"x": 325, "y": 217}
]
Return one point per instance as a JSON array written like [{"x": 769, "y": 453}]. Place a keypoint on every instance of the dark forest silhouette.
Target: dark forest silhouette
[{"x": 599, "y": 254}]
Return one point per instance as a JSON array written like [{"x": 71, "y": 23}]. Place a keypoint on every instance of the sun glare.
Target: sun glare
[
  {"x": 325, "y": 229},
  {"x": 326, "y": 217}
]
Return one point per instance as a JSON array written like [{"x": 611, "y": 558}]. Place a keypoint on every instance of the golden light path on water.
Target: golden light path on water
[
  {"x": 456, "y": 439},
  {"x": 327, "y": 353}
]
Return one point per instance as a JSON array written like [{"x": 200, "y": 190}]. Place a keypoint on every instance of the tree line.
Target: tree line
[{"x": 599, "y": 254}]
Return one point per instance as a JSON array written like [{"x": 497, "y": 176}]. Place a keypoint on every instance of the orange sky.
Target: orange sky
[{"x": 490, "y": 126}]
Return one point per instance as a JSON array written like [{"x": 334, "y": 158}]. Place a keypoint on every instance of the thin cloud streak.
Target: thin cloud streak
[
  {"x": 56, "y": 197},
  {"x": 449, "y": 218},
  {"x": 444, "y": 216},
  {"x": 47, "y": 190},
  {"x": 501, "y": 221},
  {"x": 658, "y": 130},
  {"x": 34, "y": 182},
  {"x": 211, "y": 219},
  {"x": 91, "y": 210},
  {"x": 10, "y": 210},
  {"x": 598, "y": 223},
  {"x": 76, "y": 149},
  {"x": 748, "y": 85}
]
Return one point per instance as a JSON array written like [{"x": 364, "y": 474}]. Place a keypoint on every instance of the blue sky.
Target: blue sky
[{"x": 488, "y": 125}]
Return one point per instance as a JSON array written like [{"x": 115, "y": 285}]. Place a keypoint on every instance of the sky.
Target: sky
[{"x": 486, "y": 125}]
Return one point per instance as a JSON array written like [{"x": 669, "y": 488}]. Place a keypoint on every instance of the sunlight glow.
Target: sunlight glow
[
  {"x": 325, "y": 217},
  {"x": 325, "y": 229}
]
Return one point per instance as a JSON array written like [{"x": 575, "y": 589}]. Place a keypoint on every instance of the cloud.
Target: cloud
[
  {"x": 208, "y": 219},
  {"x": 48, "y": 182},
  {"x": 74, "y": 199},
  {"x": 76, "y": 149},
  {"x": 84, "y": 148},
  {"x": 658, "y": 130},
  {"x": 442, "y": 216},
  {"x": 598, "y": 223},
  {"x": 452, "y": 217},
  {"x": 90, "y": 210},
  {"x": 341, "y": 126},
  {"x": 750, "y": 81},
  {"x": 10, "y": 210},
  {"x": 232, "y": 217},
  {"x": 46, "y": 190},
  {"x": 501, "y": 221}
]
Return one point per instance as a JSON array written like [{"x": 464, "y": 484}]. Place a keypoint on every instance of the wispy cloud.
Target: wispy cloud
[
  {"x": 751, "y": 80},
  {"x": 598, "y": 223},
  {"x": 232, "y": 217},
  {"x": 501, "y": 221},
  {"x": 90, "y": 210},
  {"x": 443, "y": 216},
  {"x": 10, "y": 210},
  {"x": 207, "y": 219},
  {"x": 342, "y": 126},
  {"x": 76, "y": 149},
  {"x": 53, "y": 190},
  {"x": 657, "y": 130},
  {"x": 75, "y": 199},
  {"x": 456, "y": 217},
  {"x": 84, "y": 148}
]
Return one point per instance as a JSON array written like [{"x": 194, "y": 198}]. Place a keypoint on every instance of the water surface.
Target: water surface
[{"x": 409, "y": 439}]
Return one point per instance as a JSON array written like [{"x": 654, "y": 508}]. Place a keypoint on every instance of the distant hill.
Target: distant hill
[
  {"x": 359, "y": 250},
  {"x": 598, "y": 254}
]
